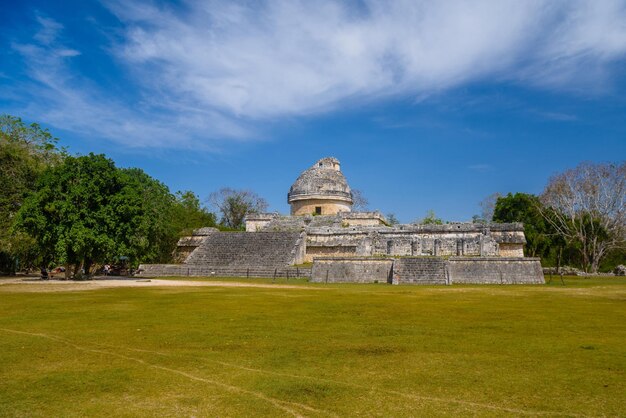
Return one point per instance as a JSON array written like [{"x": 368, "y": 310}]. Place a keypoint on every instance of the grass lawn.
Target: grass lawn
[{"x": 315, "y": 350}]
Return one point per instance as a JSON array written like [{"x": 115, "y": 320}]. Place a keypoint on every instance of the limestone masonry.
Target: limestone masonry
[{"x": 346, "y": 246}]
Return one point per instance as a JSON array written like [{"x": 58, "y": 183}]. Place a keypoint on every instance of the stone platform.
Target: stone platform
[{"x": 427, "y": 270}]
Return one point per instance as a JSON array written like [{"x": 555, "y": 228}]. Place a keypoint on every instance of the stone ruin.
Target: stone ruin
[{"x": 325, "y": 241}]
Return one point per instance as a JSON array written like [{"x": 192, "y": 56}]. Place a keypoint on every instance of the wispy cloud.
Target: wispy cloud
[
  {"x": 284, "y": 57},
  {"x": 218, "y": 69},
  {"x": 480, "y": 168},
  {"x": 554, "y": 116},
  {"x": 67, "y": 99}
]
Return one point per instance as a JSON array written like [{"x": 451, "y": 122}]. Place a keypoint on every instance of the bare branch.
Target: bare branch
[
  {"x": 235, "y": 205},
  {"x": 587, "y": 206}
]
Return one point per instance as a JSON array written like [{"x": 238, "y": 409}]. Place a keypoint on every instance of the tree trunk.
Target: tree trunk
[
  {"x": 586, "y": 262},
  {"x": 594, "y": 266},
  {"x": 77, "y": 267},
  {"x": 87, "y": 265}
]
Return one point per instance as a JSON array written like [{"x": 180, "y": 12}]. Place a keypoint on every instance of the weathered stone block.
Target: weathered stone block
[
  {"x": 352, "y": 270},
  {"x": 495, "y": 270}
]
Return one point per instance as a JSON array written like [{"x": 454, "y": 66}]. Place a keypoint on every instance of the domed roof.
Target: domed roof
[{"x": 323, "y": 180}]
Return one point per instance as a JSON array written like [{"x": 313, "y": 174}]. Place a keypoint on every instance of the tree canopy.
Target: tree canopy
[
  {"x": 359, "y": 201},
  {"x": 526, "y": 208},
  {"x": 587, "y": 206},
  {"x": 189, "y": 214},
  {"x": 234, "y": 205},
  {"x": 87, "y": 210},
  {"x": 430, "y": 219},
  {"x": 25, "y": 152},
  {"x": 392, "y": 219}
]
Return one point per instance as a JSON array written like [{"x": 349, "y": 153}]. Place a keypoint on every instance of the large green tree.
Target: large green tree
[
  {"x": 526, "y": 208},
  {"x": 86, "y": 210},
  {"x": 189, "y": 214},
  {"x": 25, "y": 152},
  {"x": 144, "y": 208}
]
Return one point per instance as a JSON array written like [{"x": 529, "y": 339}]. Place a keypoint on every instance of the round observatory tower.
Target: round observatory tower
[{"x": 320, "y": 190}]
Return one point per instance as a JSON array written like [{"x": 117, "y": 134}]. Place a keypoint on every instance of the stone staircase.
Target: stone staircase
[
  {"x": 245, "y": 250},
  {"x": 419, "y": 270}
]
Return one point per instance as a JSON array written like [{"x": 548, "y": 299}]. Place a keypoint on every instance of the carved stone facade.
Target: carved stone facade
[{"x": 417, "y": 240}]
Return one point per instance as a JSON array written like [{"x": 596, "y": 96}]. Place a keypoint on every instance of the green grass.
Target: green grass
[
  {"x": 262, "y": 280},
  {"x": 339, "y": 350}
]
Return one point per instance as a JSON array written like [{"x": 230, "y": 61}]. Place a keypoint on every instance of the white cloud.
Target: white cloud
[
  {"x": 48, "y": 31},
  {"x": 216, "y": 69},
  {"x": 289, "y": 58},
  {"x": 64, "y": 98}
]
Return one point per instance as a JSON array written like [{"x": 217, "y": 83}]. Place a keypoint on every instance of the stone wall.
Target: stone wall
[
  {"x": 298, "y": 253},
  {"x": 405, "y": 270},
  {"x": 420, "y": 270},
  {"x": 363, "y": 219},
  {"x": 511, "y": 250},
  {"x": 256, "y": 222},
  {"x": 352, "y": 270},
  {"x": 495, "y": 270},
  {"x": 427, "y": 270},
  {"x": 187, "y": 245},
  {"x": 184, "y": 270},
  {"x": 335, "y": 251},
  {"x": 328, "y": 206},
  {"x": 418, "y": 240},
  {"x": 271, "y": 222},
  {"x": 401, "y": 243}
]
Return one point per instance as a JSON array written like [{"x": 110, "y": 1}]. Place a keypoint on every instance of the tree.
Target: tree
[
  {"x": 359, "y": 201},
  {"x": 526, "y": 208},
  {"x": 189, "y": 214},
  {"x": 392, "y": 219},
  {"x": 488, "y": 206},
  {"x": 430, "y": 219},
  {"x": 38, "y": 140},
  {"x": 235, "y": 205},
  {"x": 477, "y": 219},
  {"x": 25, "y": 152},
  {"x": 146, "y": 227},
  {"x": 86, "y": 210},
  {"x": 587, "y": 206},
  {"x": 69, "y": 214}
]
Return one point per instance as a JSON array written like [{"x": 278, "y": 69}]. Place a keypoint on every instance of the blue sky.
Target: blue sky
[{"x": 428, "y": 105}]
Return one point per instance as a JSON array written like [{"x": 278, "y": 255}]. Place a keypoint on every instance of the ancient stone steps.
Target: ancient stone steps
[
  {"x": 243, "y": 250},
  {"x": 419, "y": 270}
]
